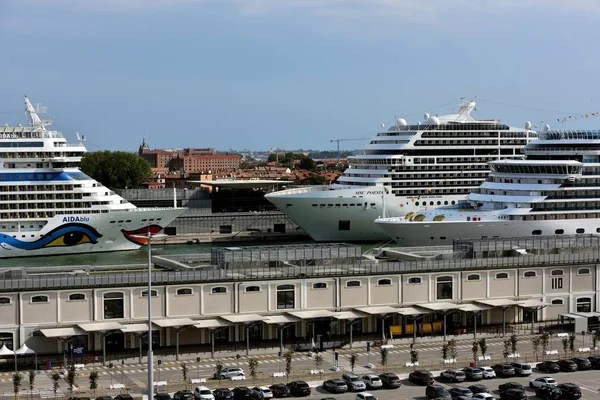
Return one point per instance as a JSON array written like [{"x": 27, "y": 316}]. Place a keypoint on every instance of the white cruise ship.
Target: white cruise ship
[
  {"x": 554, "y": 191},
  {"x": 435, "y": 162},
  {"x": 49, "y": 207}
]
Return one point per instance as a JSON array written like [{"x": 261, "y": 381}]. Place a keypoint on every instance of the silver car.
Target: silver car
[
  {"x": 354, "y": 382},
  {"x": 228, "y": 373}
]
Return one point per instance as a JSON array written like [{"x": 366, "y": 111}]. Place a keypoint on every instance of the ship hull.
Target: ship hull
[{"x": 87, "y": 233}]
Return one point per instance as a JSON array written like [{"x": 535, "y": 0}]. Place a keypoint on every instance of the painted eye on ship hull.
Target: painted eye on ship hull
[
  {"x": 71, "y": 239},
  {"x": 67, "y": 235}
]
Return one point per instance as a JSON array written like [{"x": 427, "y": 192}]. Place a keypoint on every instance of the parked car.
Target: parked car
[
  {"x": 421, "y": 377},
  {"x": 479, "y": 388},
  {"x": 504, "y": 370},
  {"x": 335, "y": 386},
  {"x": 513, "y": 394},
  {"x": 299, "y": 388},
  {"x": 123, "y": 396},
  {"x": 510, "y": 385},
  {"x": 372, "y": 381},
  {"x": 242, "y": 393},
  {"x": 473, "y": 374},
  {"x": 437, "y": 392},
  {"x": 483, "y": 396},
  {"x": 262, "y": 392},
  {"x": 390, "y": 380},
  {"x": 488, "y": 372},
  {"x": 567, "y": 365},
  {"x": 163, "y": 396},
  {"x": 280, "y": 390},
  {"x": 548, "y": 393},
  {"x": 595, "y": 361},
  {"x": 184, "y": 395},
  {"x": 582, "y": 363},
  {"x": 570, "y": 391},
  {"x": 104, "y": 398},
  {"x": 355, "y": 384},
  {"x": 521, "y": 369},
  {"x": 548, "y": 367},
  {"x": 200, "y": 393},
  {"x": 228, "y": 373},
  {"x": 454, "y": 375},
  {"x": 223, "y": 394},
  {"x": 541, "y": 382},
  {"x": 460, "y": 391},
  {"x": 365, "y": 396}
]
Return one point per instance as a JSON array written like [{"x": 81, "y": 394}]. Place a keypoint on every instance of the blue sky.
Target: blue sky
[{"x": 291, "y": 74}]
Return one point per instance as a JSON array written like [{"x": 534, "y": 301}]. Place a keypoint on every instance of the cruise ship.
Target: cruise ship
[
  {"x": 434, "y": 162},
  {"x": 555, "y": 190},
  {"x": 48, "y": 206}
]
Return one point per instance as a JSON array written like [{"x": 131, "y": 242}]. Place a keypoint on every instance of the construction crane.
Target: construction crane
[{"x": 344, "y": 140}]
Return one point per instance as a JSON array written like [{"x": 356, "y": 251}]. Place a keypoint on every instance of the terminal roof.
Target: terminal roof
[
  {"x": 530, "y": 303},
  {"x": 499, "y": 302},
  {"x": 441, "y": 306},
  {"x": 474, "y": 307},
  {"x": 177, "y": 322},
  {"x": 211, "y": 323},
  {"x": 349, "y": 315},
  {"x": 408, "y": 311},
  {"x": 240, "y": 318},
  {"x": 378, "y": 310},
  {"x": 280, "y": 319},
  {"x": 101, "y": 326},
  {"x": 62, "y": 332},
  {"x": 136, "y": 328},
  {"x": 312, "y": 314}
]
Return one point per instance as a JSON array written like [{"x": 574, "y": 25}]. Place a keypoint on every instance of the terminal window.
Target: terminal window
[
  {"x": 285, "y": 296},
  {"x": 113, "y": 305},
  {"x": 444, "y": 288}
]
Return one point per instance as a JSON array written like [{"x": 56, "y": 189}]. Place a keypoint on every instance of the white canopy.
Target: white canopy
[
  {"x": 5, "y": 351},
  {"x": 24, "y": 350}
]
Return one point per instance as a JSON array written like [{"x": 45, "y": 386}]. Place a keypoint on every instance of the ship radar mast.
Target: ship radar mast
[
  {"x": 34, "y": 119},
  {"x": 464, "y": 113}
]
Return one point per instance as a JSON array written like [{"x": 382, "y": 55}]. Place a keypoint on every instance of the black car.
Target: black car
[
  {"x": 124, "y": 396},
  {"x": 459, "y": 391},
  {"x": 280, "y": 390},
  {"x": 335, "y": 386},
  {"x": 582, "y": 363},
  {"x": 548, "y": 393},
  {"x": 437, "y": 392},
  {"x": 473, "y": 374},
  {"x": 504, "y": 370},
  {"x": 183, "y": 395},
  {"x": 421, "y": 377},
  {"x": 479, "y": 388},
  {"x": 567, "y": 365},
  {"x": 570, "y": 391},
  {"x": 104, "y": 398},
  {"x": 162, "y": 396},
  {"x": 548, "y": 367},
  {"x": 223, "y": 394},
  {"x": 299, "y": 388},
  {"x": 510, "y": 385},
  {"x": 595, "y": 361},
  {"x": 242, "y": 393},
  {"x": 390, "y": 381},
  {"x": 513, "y": 394}
]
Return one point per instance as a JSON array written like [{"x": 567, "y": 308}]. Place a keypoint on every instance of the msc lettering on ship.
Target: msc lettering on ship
[
  {"x": 361, "y": 192},
  {"x": 76, "y": 219}
]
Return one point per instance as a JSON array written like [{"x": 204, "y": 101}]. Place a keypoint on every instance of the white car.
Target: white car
[
  {"x": 203, "y": 393},
  {"x": 372, "y": 381},
  {"x": 542, "y": 382},
  {"x": 365, "y": 396},
  {"x": 483, "y": 396},
  {"x": 263, "y": 391},
  {"x": 488, "y": 372}
]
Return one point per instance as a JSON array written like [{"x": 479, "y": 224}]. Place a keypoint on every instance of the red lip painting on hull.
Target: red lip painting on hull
[{"x": 136, "y": 235}]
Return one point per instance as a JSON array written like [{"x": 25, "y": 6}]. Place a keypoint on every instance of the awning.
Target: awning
[
  {"x": 312, "y": 314},
  {"x": 571, "y": 316},
  {"x": 280, "y": 319},
  {"x": 587, "y": 314},
  {"x": 441, "y": 306},
  {"x": 101, "y": 326},
  {"x": 62, "y": 332},
  {"x": 581, "y": 322},
  {"x": 173, "y": 323},
  {"x": 532, "y": 303},
  {"x": 498, "y": 302},
  {"x": 24, "y": 350},
  {"x": 211, "y": 323},
  {"x": 349, "y": 315},
  {"x": 474, "y": 307},
  {"x": 241, "y": 318},
  {"x": 136, "y": 328},
  {"x": 412, "y": 311},
  {"x": 5, "y": 351},
  {"x": 378, "y": 310}
]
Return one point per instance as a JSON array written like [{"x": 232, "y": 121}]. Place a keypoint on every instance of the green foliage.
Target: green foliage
[
  {"x": 71, "y": 378},
  {"x": 565, "y": 344},
  {"x": 414, "y": 357},
  {"x": 506, "y": 350},
  {"x": 318, "y": 363},
  {"x": 572, "y": 342},
  {"x": 483, "y": 347},
  {"x": 55, "y": 379},
  {"x": 513, "y": 343},
  {"x": 315, "y": 180},
  {"x": 545, "y": 341},
  {"x": 475, "y": 350},
  {"x": 31, "y": 375},
  {"x": 219, "y": 370},
  {"x": 445, "y": 350},
  {"x": 288, "y": 362},
  {"x": 452, "y": 349},
  {"x": 383, "y": 354},
  {"x": 16, "y": 380},
  {"x": 353, "y": 360},
  {"x": 596, "y": 339},
  {"x": 93, "y": 381},
  {"x": 184, "y": 371},
  {"x": 253, "y": 367},
  {"x": 117, "y": 169},
  {"x": 536, "y": 346}
]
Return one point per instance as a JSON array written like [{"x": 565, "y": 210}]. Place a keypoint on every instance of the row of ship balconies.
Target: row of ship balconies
[
  {"x": 23, "y": 215},
  {"x": 51, "y": 206}
]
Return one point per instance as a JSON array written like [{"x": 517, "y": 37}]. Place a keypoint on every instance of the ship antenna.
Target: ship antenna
[{"x": 34, "y": 119}]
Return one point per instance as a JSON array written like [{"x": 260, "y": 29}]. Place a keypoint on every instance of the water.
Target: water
[{"x": 139, "y": 256}]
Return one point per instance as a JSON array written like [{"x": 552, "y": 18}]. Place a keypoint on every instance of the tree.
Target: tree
[
  {"x": 483, "y": 347},
  {"x": 219, "y": 371},
  {"x": 545, "y": 341},
  {"x": 71, "y": 378},
  {"x": 475, "y": 350},
  {"x": 452, "y": 348},
  {"x": 565, "y": 344},
  {"x": 307, "y": 163},
  {"x": 506, "y": 350},
  {"x": 513, "y": 343},
  {"x": 117, "y": 169},
  {"x": 414, "y": 357},
  {"x": 253, "y": 368},
  {"x": 184, "y": 372},
  {"x": 383, "y": 353},
  {"x": 31, "y": 375},
  {"x": 16, "y": 379},
  {"x": 536, "y": 346},
  {"x": 445, "y": 350},
  {"x": 288, "y": 362},
  {"x": 315, "y": 180},
  {"x": 572, "y": 343},
  {"x": 318, "y": 364},
  {"x": 596, "y": 339},
  {"x": 93, "y": 381},
  {"x": 55, "y": 378},
  {"x": 353, "y": 360}
]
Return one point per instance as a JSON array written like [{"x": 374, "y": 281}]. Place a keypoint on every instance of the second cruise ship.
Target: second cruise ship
[{"x": 435, "y": 162}]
